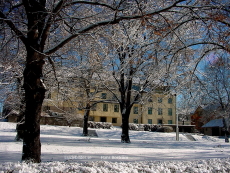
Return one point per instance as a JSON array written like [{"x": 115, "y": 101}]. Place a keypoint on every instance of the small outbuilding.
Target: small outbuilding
[{"x": 214, "y": 127}]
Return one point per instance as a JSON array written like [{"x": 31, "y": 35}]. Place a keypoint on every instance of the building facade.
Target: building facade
[{"x": 156, "y": 108}]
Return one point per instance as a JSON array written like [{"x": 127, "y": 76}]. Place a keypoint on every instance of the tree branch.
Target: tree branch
[
  {"x": 91, "y": 3},
  {"x": 13, "y": 27},
  {"x": 106, "y": 22},
  {"x": 48, "y": 23}
]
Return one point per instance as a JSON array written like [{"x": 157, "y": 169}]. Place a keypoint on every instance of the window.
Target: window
[
  {"x": 65, "y": 97},
  {"x": 150, "y": 121},
  {"x": 114, "y": 97},
  {"x": 46, "y": 108},
  {"x": 170, "y": 111},
  {"x": 49, "y": 96},
  {"x": 169, "y": 121},
  {"x": 135, "y": 87},
  {"x": 91, "y": 94},
  {"x": 116, "y": 108},
  {"x": 170, "y": 100},
  {"x": 94, "y": 107},
  {"x": 103, "y": 95},
  {"x": 150, "y": 99},
  {"x": 160, "y": 111},
  {"x": 136, "y": 98},
  {"x": 135, "y": 110},
  {"x": 150, "y": 110},
  {"x": 114, "y": 120},
  {"x": 91, "y": 118},
  {"x": 135, "y": 121},
  {"x": 103, "y": 119},
  {"x": 159, "y": 99},
  {"x": 80, "y": 106},
  {"x": 105, "y": 107},
  {"x": 71, "y": 81},
  {"x": 159, "y": 121}
]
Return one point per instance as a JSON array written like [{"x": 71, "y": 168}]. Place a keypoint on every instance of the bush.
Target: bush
[
  {"x": 145, "y": 127},
  {"x": 151, "y": 127},
  {"x": 100, "y": 125},
  {"x": 155, "y": 128},
  {"x": 133, "y": 126},
  {"x": 165, "y": 129},
  {"x": 168, "y": 129}
]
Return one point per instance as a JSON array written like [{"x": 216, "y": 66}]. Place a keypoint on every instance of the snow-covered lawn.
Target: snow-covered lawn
[{"x": 65, "y": 150}]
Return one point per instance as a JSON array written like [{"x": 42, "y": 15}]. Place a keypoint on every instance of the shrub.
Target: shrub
[
  {"x": 100, "y": 125},
  {"x": 145, "y": 127},
  {"x": 165, "y": 129},
  {"x": 151, "y": 127},
  {"x": 133, "y": 126},
  {"x": 168, "y": 129},
  {"x": 155, "y": 128}
]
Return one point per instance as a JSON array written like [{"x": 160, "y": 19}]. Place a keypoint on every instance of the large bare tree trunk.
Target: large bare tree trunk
[
  {"x": 226, "y": 130},
  {"x": 34, "y": 96},
  {"x": 85, "y": 121},
  {"x": 125, "y": 128},
  {"x": 33, "y": 84}
]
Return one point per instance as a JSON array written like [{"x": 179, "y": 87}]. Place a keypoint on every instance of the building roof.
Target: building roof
[{"x": 214, "y": 123}]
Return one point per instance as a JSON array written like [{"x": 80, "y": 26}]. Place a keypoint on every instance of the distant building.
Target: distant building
[
  {"x": 214, "y": 127},
  {"x": 157, "y": 108},
  {"x": 203, "y": 114}
]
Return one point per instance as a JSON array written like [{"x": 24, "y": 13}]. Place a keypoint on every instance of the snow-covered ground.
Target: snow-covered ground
[{"x": 65, "y": 150}]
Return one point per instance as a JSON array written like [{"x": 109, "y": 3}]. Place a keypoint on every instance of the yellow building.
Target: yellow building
[{"x": 158, "y": 108}]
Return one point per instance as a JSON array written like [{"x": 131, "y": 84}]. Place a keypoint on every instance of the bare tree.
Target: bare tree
[
  {"x": 137, "y": 67},
  {"x": 215, "y": 84},
  {"x": 11, "y": 80}
]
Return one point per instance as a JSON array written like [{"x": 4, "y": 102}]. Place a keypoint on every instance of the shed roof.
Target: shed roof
[{"x": 214, "y": 123}]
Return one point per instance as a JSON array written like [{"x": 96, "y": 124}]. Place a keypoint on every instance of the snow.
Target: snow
[{"x": 65, "y": 150}]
